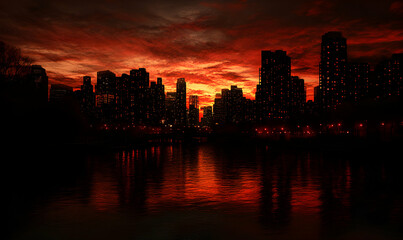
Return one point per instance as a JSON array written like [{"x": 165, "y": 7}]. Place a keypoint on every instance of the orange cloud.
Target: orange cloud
[{"x": 211, "y": 45}]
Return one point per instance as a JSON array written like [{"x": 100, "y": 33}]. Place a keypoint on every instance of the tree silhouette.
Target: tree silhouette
[{"x": 13, "y": 65}]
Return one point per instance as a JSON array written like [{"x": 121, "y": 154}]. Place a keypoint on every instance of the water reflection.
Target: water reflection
[{"x": 254, "y": 188}]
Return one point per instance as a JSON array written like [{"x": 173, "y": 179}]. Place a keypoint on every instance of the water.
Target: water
[{"x": 207, "y": 192}]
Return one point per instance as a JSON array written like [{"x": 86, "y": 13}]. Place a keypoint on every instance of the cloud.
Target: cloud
[
  {"x": 396, "y": 7},
  {"x": 213, "y": 44}
]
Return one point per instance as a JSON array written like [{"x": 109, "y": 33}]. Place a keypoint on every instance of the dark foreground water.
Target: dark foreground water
[{"x": 205, "y": 192}]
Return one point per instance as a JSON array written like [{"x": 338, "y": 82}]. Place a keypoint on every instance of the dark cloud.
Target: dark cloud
[{"x": 213, "y": 44}]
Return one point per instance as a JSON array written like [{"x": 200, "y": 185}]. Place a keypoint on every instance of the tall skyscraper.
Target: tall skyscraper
[
  {"x": 316, "y": 95},
  {"x": 180, "y": 103},
  {"x": 332, "y": 70},
  {"x": 170, "y": 108},
  {"x": 236, "y": 105},
  {"x": 123, "y": 99},
  {"x": 226, "y": 96},
  {"x": 357, "y": 79},
  {"x": 389, "y": 76},
  {"x": 105, "y": 93},
  {"x": 157, "y": 104},
  {"x": 194, "y": 101},
  {"x": 193, "y": 110},
  {"x": 139, "y": 95},
  {"x": 87, "y": 100},
  {"x": 160, "y": 100},
  {"x": 140, "y": 77},
  {"x": 298, "y": 96},
  {"x": 218, "y": 108},
  {"x": 375, "y": 89},
  {"x": 249, "y": 110},
  {"x": 273, "y": 91},
  {"x": 207, "y": 118}
]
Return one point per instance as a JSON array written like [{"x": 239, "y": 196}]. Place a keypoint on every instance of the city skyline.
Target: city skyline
[
  {"x": 202, "y": 42},
  {"x": 134, "y": 99},
  {"x": 347, "y": 81},
  {"x": 202, "y": 119}
]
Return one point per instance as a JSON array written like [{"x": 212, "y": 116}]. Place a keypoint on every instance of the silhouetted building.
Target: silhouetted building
[
  {"x": 140, "y": 96},
  {"x": 193, "y": 110},
  {"x": 249, "y": 110},
  {"x": 160, "y": 96},
  {"x": 375, "y": 86},
  {"x": 105, "y": 96},
  {"x": 310, "y": 107},
  {"x": 298, "y": 96},
  {"x": 316, "y": 94},
  {"x": 230, "y": 108},
  {"x": 332, "y": 70},
  {"x": 59, "y": 93},
  {"x": 87, "y": 98},
  {"x": 123, "y": 99},
  {"x": 235, "y": 105},
  {"x": 226, "y": 97},
  {"x": 194, "y": 101},
  {"x": 157, "y": 106},
  {"x": 180, "y": 103},
  {"x": 141, "y": 77},
  {"x": 170, "y": 108},
  {"x": 273, "y": 93},
  {"x": 207, "y": 119},
  {"x": 218, "y": 107},
  {"x": 357, "y": 80},
  {"x": 389, "y": 77}
]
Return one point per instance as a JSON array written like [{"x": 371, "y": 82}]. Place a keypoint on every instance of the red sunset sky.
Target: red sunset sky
[{"x": 212, "y": 44}]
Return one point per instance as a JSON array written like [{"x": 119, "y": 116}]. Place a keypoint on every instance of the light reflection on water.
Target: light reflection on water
[{"x": 199, "y": 192}]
